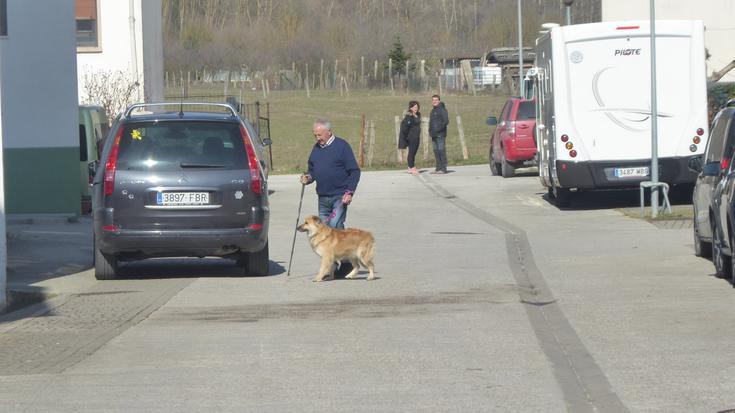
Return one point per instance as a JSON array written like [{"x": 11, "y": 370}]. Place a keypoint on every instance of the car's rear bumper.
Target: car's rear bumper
[
  {"x": 519, "y": 149},
  {"x": 591, "y": 175},
  {"x": 180, "y": 243}
]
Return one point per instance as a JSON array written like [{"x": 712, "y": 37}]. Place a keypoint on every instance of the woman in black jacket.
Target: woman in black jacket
[{"x": 410, "y": 134}]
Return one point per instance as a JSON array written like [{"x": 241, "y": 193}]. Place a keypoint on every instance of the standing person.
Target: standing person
[
  {"x": 333, "y": 166},
  {"x": 411, "y": 134},
  {"x": 438, "y": 121}
]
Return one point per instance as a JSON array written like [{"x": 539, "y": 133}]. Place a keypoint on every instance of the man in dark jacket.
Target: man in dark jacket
[{"x": 438, "y": 121}]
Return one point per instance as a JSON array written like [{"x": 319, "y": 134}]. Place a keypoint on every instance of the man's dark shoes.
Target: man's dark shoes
[{"x": 343, "y": 269}]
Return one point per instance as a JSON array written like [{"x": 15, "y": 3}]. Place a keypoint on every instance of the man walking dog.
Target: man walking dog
[{"x": 333, "y": 166}]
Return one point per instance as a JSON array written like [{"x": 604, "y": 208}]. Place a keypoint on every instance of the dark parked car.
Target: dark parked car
[
  {"x": 513, "y": 144},
  {"x": 719, "y": 150},
  {"x": 723, "y": 206},
  {"x": 181, "y": 183}
]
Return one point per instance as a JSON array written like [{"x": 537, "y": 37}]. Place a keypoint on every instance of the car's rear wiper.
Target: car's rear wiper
[{"x": 200, "y": 165}]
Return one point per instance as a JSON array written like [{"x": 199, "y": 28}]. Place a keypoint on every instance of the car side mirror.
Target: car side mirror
[
  {"x": 711, "y": 169},
  {"x": 92, "y": 170},
  {"x": 695, "y": 164},
  {"x": 492, "y": 121},
  {"x": 267, "y": 141}
]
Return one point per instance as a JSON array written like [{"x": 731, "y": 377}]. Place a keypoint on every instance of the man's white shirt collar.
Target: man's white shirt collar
[{"x": 329, "y": 142}]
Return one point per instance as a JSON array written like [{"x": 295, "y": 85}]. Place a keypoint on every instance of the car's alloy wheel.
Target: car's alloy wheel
[
  {"x": 701, "y": 248},
  {"x": 722, "y": 264}
]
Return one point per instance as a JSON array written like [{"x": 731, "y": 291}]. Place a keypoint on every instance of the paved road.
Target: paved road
[{"x": 489, "y": 298}]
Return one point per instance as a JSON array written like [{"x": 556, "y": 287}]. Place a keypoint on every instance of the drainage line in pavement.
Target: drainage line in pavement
[{"x": 584, "y": 385}]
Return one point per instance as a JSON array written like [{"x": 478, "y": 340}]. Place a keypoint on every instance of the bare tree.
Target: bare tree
[{"x": 113, "y": 90}]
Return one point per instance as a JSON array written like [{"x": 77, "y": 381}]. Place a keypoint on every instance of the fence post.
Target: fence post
[
  {"x": 425, "y": 134},
  {"x": 397, "y": 120},
  {"x": 465, "y": 155},
  {"x": 361, "y": 148},
  {"x": 334, "y": 76},
  {"x": 362, "y": 71},
  {"x": 390, "y": 74},
  {"x": 371, "y": 149},
  {"x": 321, "y": 75},
  {"x": 308, "y": 93}
]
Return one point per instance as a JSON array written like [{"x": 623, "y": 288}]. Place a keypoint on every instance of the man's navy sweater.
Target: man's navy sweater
[{"x": 334, "y": 168}]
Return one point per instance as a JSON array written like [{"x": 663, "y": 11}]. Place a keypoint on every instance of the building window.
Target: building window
[
  {"x": 3, "y": 17},
  {"x": 87, "y": 24}
]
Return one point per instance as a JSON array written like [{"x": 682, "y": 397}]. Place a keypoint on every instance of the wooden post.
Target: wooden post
[
  {"x": 267, "y": 86},
  {"x": 347, "y": 73},
  {"x": 347, "y": 89},
  {"x": 262, "y": 86},
  {"x": 227, "y": 83},
  {"x": 362, "y": 71},
  {"x": 465, "y": 154},
  {"x": 397, "y": 120},
  {"x": 321, "y": 75},
  {"x": 375, "y": 72},
  {"x": 440, "y": 85},
  {"x": 371, "y": 149},
  {"x": 361, "y": 149},
  {"x": 425, "y": 134},
  {"x": 408, "y": 64},
  {"x": 390, "y": 73},
  {"x": 306, "y": 84},
  {"x": 334, "y": 76},
  {"x": 165, "y": 77}
]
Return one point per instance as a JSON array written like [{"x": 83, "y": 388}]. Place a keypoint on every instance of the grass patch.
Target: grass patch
[
  {"x": 678, "y": 212},
  {"x": 292, "y": 115}
]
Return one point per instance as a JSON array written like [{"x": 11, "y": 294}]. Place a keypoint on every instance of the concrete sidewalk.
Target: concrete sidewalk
[{"x": 48, "y": 255}]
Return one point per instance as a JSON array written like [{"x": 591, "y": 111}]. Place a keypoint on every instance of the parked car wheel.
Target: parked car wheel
[
  {"x": 257, "y": 262},
  {"x": 105, "y": 266},
  {"x": 494, "y": 166},
  {"x": 701, "y": 248},
  {"x": 722, "y": 264},
  {"x": 507, "y": 169}
]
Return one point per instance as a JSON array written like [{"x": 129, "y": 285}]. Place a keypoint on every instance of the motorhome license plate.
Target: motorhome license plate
[
  {"x": 638, "y": 172},
  {"x": 182, "y": 198}
]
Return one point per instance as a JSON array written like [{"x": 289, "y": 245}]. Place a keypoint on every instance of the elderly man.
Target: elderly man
[{"x": 333, "y": 166}]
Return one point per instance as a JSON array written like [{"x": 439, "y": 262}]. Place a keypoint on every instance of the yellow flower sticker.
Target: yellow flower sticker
[{"x": 135, "y": 134}]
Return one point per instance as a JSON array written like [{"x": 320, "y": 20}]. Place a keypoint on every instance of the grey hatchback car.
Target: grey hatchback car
[{"x": 189, "y": 182}]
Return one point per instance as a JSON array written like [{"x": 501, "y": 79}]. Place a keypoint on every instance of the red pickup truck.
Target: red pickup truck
[{"x": 513, "y": 144}]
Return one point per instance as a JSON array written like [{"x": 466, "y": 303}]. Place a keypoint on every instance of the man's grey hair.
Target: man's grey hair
[{"x": 325, "y": 123}]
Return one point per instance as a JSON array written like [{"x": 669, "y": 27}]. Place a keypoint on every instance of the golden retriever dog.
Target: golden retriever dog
[{"x": 352, "y": 244}]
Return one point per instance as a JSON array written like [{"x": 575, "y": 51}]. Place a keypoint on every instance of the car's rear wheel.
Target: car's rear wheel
[
  {"x": 257, "y": 262},
  {"x": 507, "y": 169},
  {"x": 722, "y": 263},
  {"x": 105, "y": 265},
  {"x": 494, "y": 166}
]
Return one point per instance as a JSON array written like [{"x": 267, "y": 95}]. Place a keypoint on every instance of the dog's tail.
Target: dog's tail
[{"x": 366, "y": 252}]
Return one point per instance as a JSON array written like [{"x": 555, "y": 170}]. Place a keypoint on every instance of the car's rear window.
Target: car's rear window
[
  {"x": 171, "y": 146},
  {"x": 526, "y": 110}
]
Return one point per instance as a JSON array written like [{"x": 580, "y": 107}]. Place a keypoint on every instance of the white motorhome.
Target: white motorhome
[{"x": 592, "y": 84}]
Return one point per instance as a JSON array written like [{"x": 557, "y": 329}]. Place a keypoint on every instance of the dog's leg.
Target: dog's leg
[
  {"x": 355, "y": 267},
  {"x": 370, "y": 268},
  {"x": 327, "y": 267}
]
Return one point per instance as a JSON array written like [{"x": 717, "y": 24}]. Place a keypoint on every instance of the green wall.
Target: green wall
[{"x": 42, "y": 180}]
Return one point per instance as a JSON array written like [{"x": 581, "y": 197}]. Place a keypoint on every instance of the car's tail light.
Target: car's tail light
[
  {"x": 573, "y": 153},
  {"x": 253, "y": 164},
  {"x": 724, "y": 164},
  {"x": 564, "y": 138},
  {"x": 700, "y": 131},
  {"x": 111, "y": 165},
  {"x": 511, "y": 127}
]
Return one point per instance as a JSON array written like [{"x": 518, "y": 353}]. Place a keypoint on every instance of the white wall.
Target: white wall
[
  {"x": 122, "y": 49},
  {"x": 718, "y": 17},
  {"x": 39, "y": 89}
]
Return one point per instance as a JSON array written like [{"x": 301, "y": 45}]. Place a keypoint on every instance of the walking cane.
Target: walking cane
[{"x": 301, "y": 199}]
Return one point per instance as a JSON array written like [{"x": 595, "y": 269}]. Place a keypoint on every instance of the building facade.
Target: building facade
[
  {"x": 39, "y": 106},
  {"x": 123, "y": 38}
]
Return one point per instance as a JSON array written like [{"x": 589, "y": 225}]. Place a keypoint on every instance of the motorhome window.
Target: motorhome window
[
  {"x": 526, "y": 110},
  {"x": 87, "y": 24}
]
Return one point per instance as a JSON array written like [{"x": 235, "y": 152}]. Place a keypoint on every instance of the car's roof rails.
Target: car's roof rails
[{"x": 143, "y": 106}]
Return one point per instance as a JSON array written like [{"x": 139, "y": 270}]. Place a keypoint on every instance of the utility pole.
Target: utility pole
[
  {"x": 3, "y": 237},
  {"x": 568, "y": 10},
  {"x": 520, "y": 51},
  {"x": 654, "y": 116}
]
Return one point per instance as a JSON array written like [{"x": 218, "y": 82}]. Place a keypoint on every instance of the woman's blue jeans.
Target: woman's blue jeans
[{"x": 332, "y": 211}]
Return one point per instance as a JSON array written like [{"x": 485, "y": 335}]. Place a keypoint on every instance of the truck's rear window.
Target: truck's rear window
[
  {"x": 526, "y": 110},
  {"x": 169, "y": 146}
]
